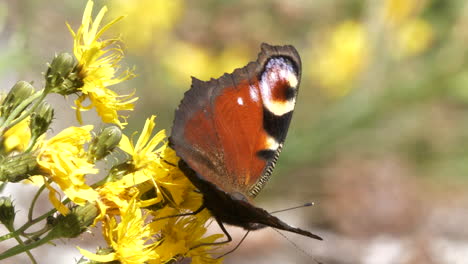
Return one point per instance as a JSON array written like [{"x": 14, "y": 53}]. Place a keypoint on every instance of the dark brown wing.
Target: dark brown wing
[{"x": 230, "y": 130}]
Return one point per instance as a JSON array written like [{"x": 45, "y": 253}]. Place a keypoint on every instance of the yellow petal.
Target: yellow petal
[
  {"x": 37, "y": 180},
  {"x": 126, "y": 145},
  {"x": 160, "y": 136},
  {"x": 55, "y": 201},
  {"x": 146, "y": 133}
]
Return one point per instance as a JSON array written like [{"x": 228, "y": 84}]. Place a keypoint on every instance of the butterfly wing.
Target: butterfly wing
[{"x": 230, "y": 130}]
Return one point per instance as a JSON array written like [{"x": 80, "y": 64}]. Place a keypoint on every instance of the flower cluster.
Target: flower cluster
[
  {"x": 137, "y": 201},
  {"x": 348, "y": 48}
]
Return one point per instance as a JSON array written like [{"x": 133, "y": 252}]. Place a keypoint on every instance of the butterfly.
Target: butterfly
[{"x": 229, "y": 133}]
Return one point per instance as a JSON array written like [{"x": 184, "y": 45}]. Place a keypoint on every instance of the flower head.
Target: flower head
[
  {"x": 147, "y": 154},
  {"x": 183, "y": 237},
  {"x": 145, "y": 169},
  {"x": 131, "y": 239},
  {"x": 65, "y": 160},
  {"x": 145, "y": 151},
  {"x": 98, "y": 63},
  {"x": 343, "y": 57},
  {"x": 114, "y": 198}
]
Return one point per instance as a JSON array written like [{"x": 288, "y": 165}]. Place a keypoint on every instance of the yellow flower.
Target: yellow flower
[
  {"x": 98, "y": 63},
  {"x": 131, "y": 239},
  {"x": 64, "y": 159},
  {"x": 411, "y": 34},
  {"x": 153, "y": 161},
  {"x": 113, "y": 198},
  {"x": 142, "y": 170},
  {"x": 398, "y": 11},
  {"x": 183, "y": 194},
  {"x": 342, "y": 58},
  {"x": 154, "y": 20},
  {"x": 414, "y": 37},
  {"x": 229, "y": 59},
  {"x": 197, "y": 62},
  {"x": 181, "y": 234},
  {"x": 144, "y": 151},
  {"x": 200, "y": 62},
  {"x": 152, "y": 166},
  {"x": 17, "y": 137}
]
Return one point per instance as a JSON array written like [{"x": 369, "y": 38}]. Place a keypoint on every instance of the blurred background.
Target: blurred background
[{"x": 379, "y": 138}]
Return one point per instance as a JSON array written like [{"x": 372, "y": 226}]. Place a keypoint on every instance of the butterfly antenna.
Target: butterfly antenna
[
  {"x": 292, "y": 208},
  {"x": 236, "y": 247},
  {"x": 297, "y": 247}
]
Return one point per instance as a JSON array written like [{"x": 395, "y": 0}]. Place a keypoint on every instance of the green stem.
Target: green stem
[
  {"x": 24, "y": 248},
  {"x": 9, "y": 235},
  {"x": 21, "y": 243},
  {"x": 33, "y": 203},
  {"x": 30, "y": 223},
  {"x": 31, "y": 144},
  {"x": 35, "y": 235}
]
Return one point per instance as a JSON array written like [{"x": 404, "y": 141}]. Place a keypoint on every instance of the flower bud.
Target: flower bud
[
  {"x": 62, "y": 76},
  {"x": 104, "y": 143},
  {"x": 67, "y": 226},
  {"x": 41, "y": 119},
  {"x": 7, "y": 211},
  {"x": 62, "y": 64},
  {"x": 17, "y": 168},
  {"x": 20, "y": 91},
  {"x": 118, "y": 171},
  {"x": 76, "y": 222}
]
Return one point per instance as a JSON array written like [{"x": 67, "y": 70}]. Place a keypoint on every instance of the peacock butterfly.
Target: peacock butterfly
[{"x": 229, "y": 133}]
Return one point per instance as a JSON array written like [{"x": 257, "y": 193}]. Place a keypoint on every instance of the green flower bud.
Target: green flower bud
[
  {"x": 41, "y": 119},
  {"x": 104, "y": 143},
  {"x": 118, "y": 171},
  {"x": 17, "y": 168},
  {"x": 62, "y": 76},
  {"x": 76, "y": 222},
  {"x": 63, "y": 64},
  {"x": 67, "y": 226},
  {"x": 20, "y": 91},
  {"x": 7, "y": 212}
]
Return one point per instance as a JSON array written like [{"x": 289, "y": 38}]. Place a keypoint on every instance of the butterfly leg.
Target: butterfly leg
[
  {"x": 236, "y": 247},
  {"x": 229, "y": 238}
]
